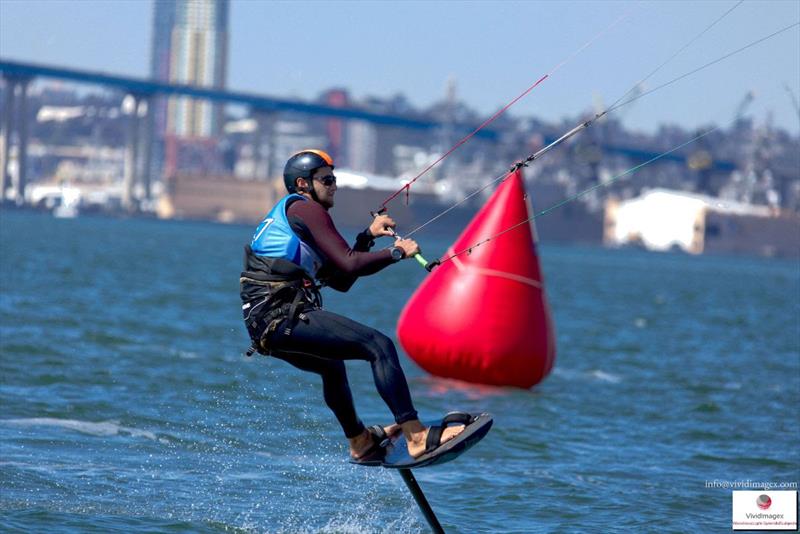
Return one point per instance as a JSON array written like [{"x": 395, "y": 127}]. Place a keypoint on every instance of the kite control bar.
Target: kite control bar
[{"x": 422, "y": 261}]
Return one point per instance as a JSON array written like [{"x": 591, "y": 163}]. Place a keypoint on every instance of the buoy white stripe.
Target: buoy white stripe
[{"x": 493, "y": 272}]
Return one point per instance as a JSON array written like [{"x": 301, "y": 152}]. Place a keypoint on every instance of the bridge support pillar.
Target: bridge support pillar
[
  {"x": 6, "y": 133},
  {"x": 130, "y": 106},
  {"x": 264, "y": 145},
  {"x": 22, "y": 147},
  {"x": 146, "y": 107}
]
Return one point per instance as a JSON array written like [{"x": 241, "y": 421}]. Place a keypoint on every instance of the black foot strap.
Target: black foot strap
[
  {"x": 379, "y": 435},
  {"x": 435, "y": 431},
  {"x": 376, "y": 452}
]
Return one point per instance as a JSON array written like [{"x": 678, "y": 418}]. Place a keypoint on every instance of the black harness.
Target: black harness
[{"x": 274, "y": 291}]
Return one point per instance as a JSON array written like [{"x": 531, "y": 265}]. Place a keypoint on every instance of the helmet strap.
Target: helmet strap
[{"x": 310, "y": 189}]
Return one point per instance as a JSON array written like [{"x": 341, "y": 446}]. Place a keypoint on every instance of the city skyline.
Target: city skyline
[{"x": 490, "y": 49}]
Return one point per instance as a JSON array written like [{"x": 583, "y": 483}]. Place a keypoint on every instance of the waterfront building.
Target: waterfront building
[
  {"x": 190, "y": 46},
  {"x": 667, "y": 220}
]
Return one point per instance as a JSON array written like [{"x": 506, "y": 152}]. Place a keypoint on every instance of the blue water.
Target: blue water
[{"x": 126, "y": 403}]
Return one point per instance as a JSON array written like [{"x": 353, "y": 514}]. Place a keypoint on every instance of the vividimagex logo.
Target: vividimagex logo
[
  {"x": 764, "y": 516},
  {"x": 750, "y": 510}
]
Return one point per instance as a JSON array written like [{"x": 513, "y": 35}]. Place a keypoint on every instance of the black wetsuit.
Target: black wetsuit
[{"x": 321, "y": 341}]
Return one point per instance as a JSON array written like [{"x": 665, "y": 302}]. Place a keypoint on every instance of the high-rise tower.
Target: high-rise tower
[{"x": 190, "y": 46}]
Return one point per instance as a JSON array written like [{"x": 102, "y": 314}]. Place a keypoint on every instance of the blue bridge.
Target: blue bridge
[{"x": 17, "y": 76}]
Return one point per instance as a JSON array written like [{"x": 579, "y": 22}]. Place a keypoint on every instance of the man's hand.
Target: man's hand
[
  {"x": 409, "y": 246},
  {"x": 382, "y": 225}
]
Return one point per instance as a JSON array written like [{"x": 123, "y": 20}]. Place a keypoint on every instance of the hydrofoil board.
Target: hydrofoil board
[{"x": 397, "y": 456}]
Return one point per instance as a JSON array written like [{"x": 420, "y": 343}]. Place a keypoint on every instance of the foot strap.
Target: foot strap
[
  {"x": 379, "y": 436},
  {"x": 435, "y": 431}
]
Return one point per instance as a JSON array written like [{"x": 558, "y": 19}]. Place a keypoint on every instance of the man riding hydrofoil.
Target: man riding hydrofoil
[{"x": 294, "y": 250}]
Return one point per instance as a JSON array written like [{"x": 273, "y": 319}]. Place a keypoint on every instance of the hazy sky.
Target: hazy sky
[{"x": 494, "y": 50}]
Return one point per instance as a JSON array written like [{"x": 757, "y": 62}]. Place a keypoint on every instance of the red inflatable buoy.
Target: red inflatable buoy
[{"x": 483, "y": 317}]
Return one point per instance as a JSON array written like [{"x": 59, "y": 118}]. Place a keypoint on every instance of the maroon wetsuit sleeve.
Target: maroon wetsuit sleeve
[{"x": 339, "y": 256}]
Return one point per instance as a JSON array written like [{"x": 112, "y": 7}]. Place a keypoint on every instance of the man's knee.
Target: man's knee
[{"x": 383, "y": 347}]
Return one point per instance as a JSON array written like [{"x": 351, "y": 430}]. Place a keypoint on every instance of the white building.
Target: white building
[{"x": 673, "y": 220}]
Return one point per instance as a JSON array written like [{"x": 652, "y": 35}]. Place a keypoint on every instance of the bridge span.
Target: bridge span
[{"x": 18, "y": 75}]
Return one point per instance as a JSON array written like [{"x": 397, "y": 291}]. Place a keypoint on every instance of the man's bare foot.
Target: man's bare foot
[
  {"x": 416, "y": 438},
  {"x": 364, "y": 442}
]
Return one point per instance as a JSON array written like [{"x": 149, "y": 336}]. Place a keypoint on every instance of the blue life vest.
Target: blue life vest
[{"x": 274, "y": 238}]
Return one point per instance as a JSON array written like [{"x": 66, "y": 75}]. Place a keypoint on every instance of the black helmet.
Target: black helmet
[{"x": 302, "y": 165}]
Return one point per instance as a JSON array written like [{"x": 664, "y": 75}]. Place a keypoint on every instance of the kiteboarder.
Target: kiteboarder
[{"x": 294, "y": 251}]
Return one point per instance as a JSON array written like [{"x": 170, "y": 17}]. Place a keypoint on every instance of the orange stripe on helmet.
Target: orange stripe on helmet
[{"x": 321, "y": 153}]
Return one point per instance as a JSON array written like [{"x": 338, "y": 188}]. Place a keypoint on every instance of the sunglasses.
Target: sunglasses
[{"x": 327, "y": 181}]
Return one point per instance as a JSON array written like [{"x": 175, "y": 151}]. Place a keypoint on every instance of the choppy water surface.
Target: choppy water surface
[{"x": 126, "y": 403}]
